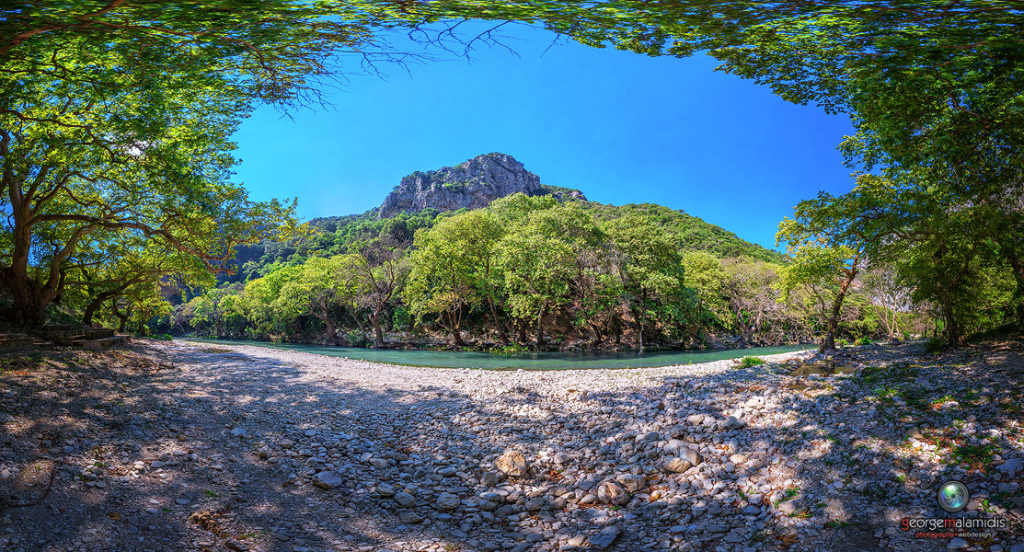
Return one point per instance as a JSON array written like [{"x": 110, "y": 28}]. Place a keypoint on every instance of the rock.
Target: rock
[
  {"x": 447, "y": 501},
  {"x": 6, "y": 418},
  {"x": 691, "y": 456},
  {"x": 562, "y": 458},
  {"x": 472, "y": 185},
  {"x": 1017, "y": 548},
  {"x": 736, "y": 423},
  {"x": 385, "y": 490},
  {"x": 790, "y": 507},
  {"x": 957, "y": 544},
  {"x": 676, "y": 465},
  {"x": 410, "y": 517},
  {"x": 695, "y": 419},
  {"x": 735, "y": 537},
  {"x": 632, "y": 483},
  {"x": 604, "y": 538},
  {"x": 328, "y": 480},
  {"x": 238, "y": 432},
  {"x": 512, "y": 463},
  {"x": 235, "y": 545},
  {"x": 1011, "y": 467},
  {"x": 536, "y": 504},
  {"x": 405, "y": 499},
  {"x": 610, "y": 492},
  {"x": 490, "y": 478}
]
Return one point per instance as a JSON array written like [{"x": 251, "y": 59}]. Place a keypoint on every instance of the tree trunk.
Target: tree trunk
[
  {"x": 91, "y": 309},
  {"x": 378, "y": 333},
  {"x": 497, "y": 324},
  {"x": 952, "y": 332},
  {"x": 540, "y": 328},
  {"x": 332, "y": 332},
  {"x": 123, "y": 318},
  {"x": 522, "y": 332},
  {"x": 457, "y": 337},
  {"x": 639, "y": 332},
  {"x": 359, "y": 323}
]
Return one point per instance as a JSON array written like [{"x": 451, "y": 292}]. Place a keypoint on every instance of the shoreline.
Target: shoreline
[{"x": 582, "y": 357}]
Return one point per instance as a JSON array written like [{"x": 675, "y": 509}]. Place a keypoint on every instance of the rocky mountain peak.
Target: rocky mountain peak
[{"x": 472, "y": 184}]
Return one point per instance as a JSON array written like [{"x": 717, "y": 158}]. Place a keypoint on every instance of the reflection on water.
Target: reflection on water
[{"x": 567, "y": 360}]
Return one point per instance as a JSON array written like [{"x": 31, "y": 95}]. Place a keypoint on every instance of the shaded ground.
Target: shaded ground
[{"x": 183, "y": 447}]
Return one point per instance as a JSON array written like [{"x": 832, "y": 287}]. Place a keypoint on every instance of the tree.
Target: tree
[
  {"x": 453, "y": 269},
  {"x": 537, "y": 257},
  {"x": 703, "y": 273},
  {"x": 381, "y": 271},
  {"x": 889, "y": 298},
  {"x": 758, "y": 310},
  {"x": 650, "y": 269},
  {"x": 149, "y": 159},
  {"x": 941, "y": 246},
  {"x": 829, "y": 238},
  {"x": 322, "y": 286}
]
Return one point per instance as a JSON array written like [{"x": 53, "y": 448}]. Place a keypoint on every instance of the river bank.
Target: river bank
[
  {"x": 178, "y": 446},
  {"x": 525, "y": 360}
]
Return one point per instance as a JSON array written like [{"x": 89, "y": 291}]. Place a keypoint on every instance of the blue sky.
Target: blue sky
[{"x": 621, "y": 127}]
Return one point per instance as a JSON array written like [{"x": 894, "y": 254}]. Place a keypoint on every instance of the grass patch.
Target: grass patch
[
  {"x": 975, "y": 456},
  {"x": 750, "y": 362},
  {"x": 789, "y": 494},
  {"x": 894, "y": 374}
]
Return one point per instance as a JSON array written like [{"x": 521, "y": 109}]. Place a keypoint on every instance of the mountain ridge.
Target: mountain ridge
[{"x": 472, "y": 184}]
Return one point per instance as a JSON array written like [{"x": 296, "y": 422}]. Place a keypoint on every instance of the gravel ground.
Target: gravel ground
[{"x": 182, "y": 446}]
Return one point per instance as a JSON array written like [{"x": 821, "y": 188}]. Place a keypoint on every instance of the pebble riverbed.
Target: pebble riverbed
[{"x": 184, "y": 446}]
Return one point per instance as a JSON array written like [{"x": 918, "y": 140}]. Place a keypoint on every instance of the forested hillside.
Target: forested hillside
[{"x": 532, "y": 269}]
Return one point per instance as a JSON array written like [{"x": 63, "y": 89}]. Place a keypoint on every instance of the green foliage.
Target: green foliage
[
  {"x": 750, "y": 362},
  {"x": 935, "y": 344},
  {"x": 688, "y": 232}
]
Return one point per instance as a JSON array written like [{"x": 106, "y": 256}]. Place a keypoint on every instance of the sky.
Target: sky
[{"x": 621, "y": 127}]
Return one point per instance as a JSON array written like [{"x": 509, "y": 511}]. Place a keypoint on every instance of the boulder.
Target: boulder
[
  {"x": 676, "y": 464},
  {"x": 512, "y": 463},
  {"x": 405, "y": 499},
  {"x": 610, "y": 492},
  {"x": 328, "y": 480},
  {"x": 604, "y": 538},
  {"x": 447, "y": 501},
  {"x": 632, "y": 483}
]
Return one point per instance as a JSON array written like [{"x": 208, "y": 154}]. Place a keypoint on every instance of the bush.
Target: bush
[
  {"x": 934, "y": 344},
  {"x": 508, "y": 350},
  {"x": 750, "y": 361},
  {"x": 162, "y": 337},
  {"x": 842, "y": 342},
  {"x": 356, "y": 339},
  {"x": 864, "y": 341}
]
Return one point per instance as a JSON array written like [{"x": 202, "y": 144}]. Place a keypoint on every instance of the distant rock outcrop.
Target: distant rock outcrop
[{"x": 472, "y": 185}]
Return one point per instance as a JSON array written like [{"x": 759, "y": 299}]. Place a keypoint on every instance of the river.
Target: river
[{"x": 562, "y": 360}]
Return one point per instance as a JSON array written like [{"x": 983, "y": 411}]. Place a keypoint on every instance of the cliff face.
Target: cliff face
[{"x": 472, "y": 185}]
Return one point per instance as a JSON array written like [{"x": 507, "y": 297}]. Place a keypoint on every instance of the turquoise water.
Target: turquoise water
[{"x": 524, "y": 361}]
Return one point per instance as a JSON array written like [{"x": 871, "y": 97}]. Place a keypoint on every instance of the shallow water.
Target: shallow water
[{"x": 525, "y": 361}]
